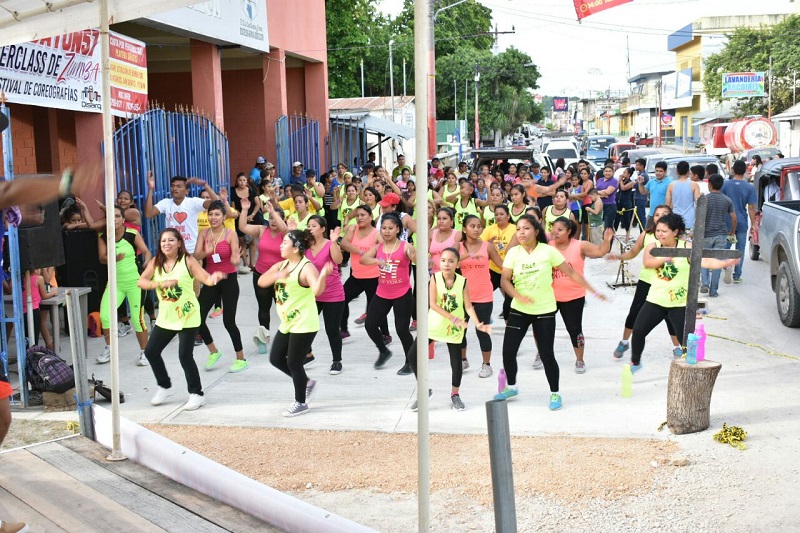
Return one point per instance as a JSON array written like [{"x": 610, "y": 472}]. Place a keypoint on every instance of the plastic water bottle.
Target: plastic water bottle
[
  {"x": 502, "y": 380},
  {"x": 627, "y": 382},
  {"x": 700, "y": 331},
  {"x": 691, "y": 349}
]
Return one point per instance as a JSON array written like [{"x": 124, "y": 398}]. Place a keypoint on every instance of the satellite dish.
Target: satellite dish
[{"x": 3, "y": 122}]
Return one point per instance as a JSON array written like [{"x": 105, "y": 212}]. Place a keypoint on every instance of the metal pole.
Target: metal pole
[
  {"x": 431, "y": 84},
  {"x": 769, "y": 99},
  {"x": 477, "y": 121},
  {"x": 466, "y": 98},
  {"x": 455, "y": 102},
  {"x": 77, "y": 331},
  {"x": 505, "y": 510},
  {"x": 391, "y": 76},
  {"x": 362, "y": 78},
  {"x": 421, "y": 44},
  {"x": 404, "y": 77},
  {"x": 108, "y": 160},
  {"x": 794, "y": 87}
]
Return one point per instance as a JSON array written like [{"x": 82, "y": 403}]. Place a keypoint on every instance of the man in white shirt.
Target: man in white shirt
[
  {"x": 181, "y": 212},
  {"x": 462, "y": 170}
]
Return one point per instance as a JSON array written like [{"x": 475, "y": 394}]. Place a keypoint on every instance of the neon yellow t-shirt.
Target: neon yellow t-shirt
[
  {"x": 646, "y": 274},
  {"x": 502, "y": 238},
  {"x": 670, "y": 284},
  {"x": 296, "y": 305},
  {"x": 451, "y": 300},
  {"x": 533, "y": 277},
  {"x": 178, "y": 307}
]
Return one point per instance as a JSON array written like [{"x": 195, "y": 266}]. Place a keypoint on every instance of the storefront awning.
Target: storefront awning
[{"x": 374, "y": 124}]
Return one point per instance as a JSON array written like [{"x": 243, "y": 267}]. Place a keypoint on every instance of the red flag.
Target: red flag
[{"x": 584, "y": 8}]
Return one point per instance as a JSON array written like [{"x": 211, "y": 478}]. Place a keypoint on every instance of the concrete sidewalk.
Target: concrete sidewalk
[{"x": 751, "y": 389}]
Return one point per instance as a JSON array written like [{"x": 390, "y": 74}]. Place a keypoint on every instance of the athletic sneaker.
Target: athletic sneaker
[
  {"x": 635, "y": 368},
  {"x": 216, "y": 312},
  {"x": 142, "y": 360},
  {"x": 309, "y": 362},
  {"x": 198, "y": 340},
  {"x": 486, "y": 370},
  {"x": 580, "y": 367},
  {"x": 296, "y": 409},
  {"x": 345, "y": 335},
  {"x": 464, "y": 365},
  {"x": 506, "y": 393},
  {"x": 195, "y": 402},
  {"x": 537, "y": 363},
  {"x": 161, "y": 395},
  {"x": 239, "y": 365},
  {"x": 621, "y": 349},
  {"x": 414, "y": 405},
  {"x": 387, "y": 340},
  {"x": 704, "y": 289},
  {"x": 405, "y": 370},
  {"x": 360, "y": 320},
  {"x": 737, "y": 281},
  {"x": 105, "y": 357},
  {"x": 261, "y": 339},
  {"x": 212, "y": 360},
  {"x": 677, "y": 352},
  {"x": 336, "y": 368},
  {"x": 728, "y": 277},
  {"x": 382, "y": 358},
  {"x": 413, "y": 326},
  {"x": 457, "y": 404},
  {"x": 310, "y": 384},
  {"x": 555, "y": 401},
  {"x": 123, "y": 329}
]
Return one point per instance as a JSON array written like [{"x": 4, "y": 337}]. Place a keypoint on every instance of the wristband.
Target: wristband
[
  {"x": 65, "y": 185},
  {"x": 455, "y": 319}
]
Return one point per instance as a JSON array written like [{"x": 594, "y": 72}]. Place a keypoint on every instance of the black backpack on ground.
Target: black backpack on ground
[{"x": 47, "y": 372}]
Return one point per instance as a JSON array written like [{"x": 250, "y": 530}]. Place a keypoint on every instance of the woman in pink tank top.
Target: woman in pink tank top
[
  {"x": 359, "y": 239},
  {"x": 393, "y": 258},
  {"x": 571, "y": 297},
  {"x": 269, "y": 252},
  {"x": 219, "y": 246},
  {"x": 331, "y": 302},
  {"x": 444, "y": 236},
  {"x": 475, "y": 258}
]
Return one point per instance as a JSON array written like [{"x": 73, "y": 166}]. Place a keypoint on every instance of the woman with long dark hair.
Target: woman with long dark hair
[
  {"x": 172, "y": 273},
  {"x": 242, "y": 189}
]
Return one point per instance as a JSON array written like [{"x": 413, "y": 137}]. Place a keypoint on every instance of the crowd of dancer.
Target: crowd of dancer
[{"x": 512, "y": 228}]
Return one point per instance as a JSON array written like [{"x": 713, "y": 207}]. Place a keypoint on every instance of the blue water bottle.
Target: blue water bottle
[{"x": 691, "y": 349}]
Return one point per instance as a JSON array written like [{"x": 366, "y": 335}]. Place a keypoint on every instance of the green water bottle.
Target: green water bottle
[{"x": 627, "y": 382}]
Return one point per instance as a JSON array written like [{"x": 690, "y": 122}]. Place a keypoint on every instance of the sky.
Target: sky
[{"x": 574, "y": 58}]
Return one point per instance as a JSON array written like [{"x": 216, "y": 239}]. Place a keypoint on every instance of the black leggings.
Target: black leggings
[
  {"x": 159, "y": 339},
  {"x": 332, "y": 316},
  {"x": 379, "y": 309},
  {"x": 455, "y": 360},
  {"x": 572, "y": 314},
  {"x": 287, "y": 354},
  {"x": 414, "y": 279},
  {"x": 544, "y": 333},
  {"x": 639, "y": 297},
  {"x": 353, "y": 288},
  {"x": 496, "y": 277},
  {"x": 228, "y": 290},
  {"x": 484, "y": 312},
  {"x": 649, "y": 317},
  {"x": 264, "y": 297}
]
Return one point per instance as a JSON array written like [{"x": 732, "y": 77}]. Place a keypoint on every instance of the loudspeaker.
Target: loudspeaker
[
  {"x": 41, "y": 245},
  {"x": 83, "y": 267}
]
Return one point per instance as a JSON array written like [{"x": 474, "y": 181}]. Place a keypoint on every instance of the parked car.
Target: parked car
[
  {"x": 595, "y": 148},
  {"x": 780, "y": 241},
  {"x": 616, "y": 149},
  {"x": 638, "y": 153},
  {"x": 776, "y": 181},
  {"x": 672, "y": 160},
  {"x": 516, "y": 155},
  {"x": 563, "y": 149}
]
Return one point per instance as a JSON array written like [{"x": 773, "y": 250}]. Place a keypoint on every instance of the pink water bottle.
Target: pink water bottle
[
  {"x": 502, "y": 381},
  {"x": 700, "y": 331}
]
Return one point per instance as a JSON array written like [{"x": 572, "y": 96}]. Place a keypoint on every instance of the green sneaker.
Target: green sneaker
[
  {"x": 239, "y": 365},
  {"x": 212, "y": 360},
  {"x": 555, "y": 401},
  {"x": 506, "y": 394}
]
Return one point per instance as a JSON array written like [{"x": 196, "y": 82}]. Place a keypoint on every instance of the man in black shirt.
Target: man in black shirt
[{"x": 719, "y": 210}]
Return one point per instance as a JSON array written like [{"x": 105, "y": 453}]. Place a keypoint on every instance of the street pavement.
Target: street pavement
[{"x": 756, "y": 388}]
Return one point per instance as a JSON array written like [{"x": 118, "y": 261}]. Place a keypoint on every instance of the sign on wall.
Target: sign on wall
[
  {"x": 242, "y": 22},
  {"x": 560, "y": 103},
  {"x": 676, "y": 89},
  {"x": 743, "y": 84},
  {"x": 63, "y": 72},
  {"x": 584, "y": 8}
]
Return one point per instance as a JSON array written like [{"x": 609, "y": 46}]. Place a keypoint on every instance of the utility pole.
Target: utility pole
[
  {"x": 391, "y": 76},
  {"x": 658, "y": 88},
  {"x": 362, "y": 78},
  {"x": 404, "y": 76},
  {"x": 769, "y": 100},
  {"x": 477, "y": 121}
]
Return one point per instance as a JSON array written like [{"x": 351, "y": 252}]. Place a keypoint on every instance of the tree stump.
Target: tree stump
[{"x": 689, "y": 395}]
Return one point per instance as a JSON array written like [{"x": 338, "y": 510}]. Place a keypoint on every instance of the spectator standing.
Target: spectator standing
[
  {"x": 607, "y": 187},
  {"x": 639, "y": 199},
  {"x": 743, "y": 196},
  {"x": 720, "y": 224},
  {"x": 655, "y": 189},
  {"x": 682, "y": 195}
]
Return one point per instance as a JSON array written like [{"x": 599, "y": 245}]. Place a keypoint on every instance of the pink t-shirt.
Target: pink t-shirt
[
  {"x": 358, "y": 270},
  {"x": 395, "y": 277},
  {"x": 564, "y": 288},
  {"x": 334, "y": 290},
  {"x": 36, "y": 296},
  {"x": 269, "y": 251},
  {"x": 219, "y": 260},
  {"x": 475, "y": 269},
  {"x": 436, "y": 248}
]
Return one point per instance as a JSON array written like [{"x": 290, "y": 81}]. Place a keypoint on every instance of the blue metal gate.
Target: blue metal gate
[
  {"x": 297, "y": 139},
  {"x": 348, "y": 142},
  {"x": 168, "y": 143}
]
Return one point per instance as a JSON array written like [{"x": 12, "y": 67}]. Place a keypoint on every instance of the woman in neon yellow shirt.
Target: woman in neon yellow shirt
[
  {"x": 297, "y": 284},
  {"x": 533, "y": 302},
  {"x": 666, "y": 298},
  {"x": 171, "y": 273}
]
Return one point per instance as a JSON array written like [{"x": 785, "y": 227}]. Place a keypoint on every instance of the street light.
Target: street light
[{"x": 391, "y": 76}]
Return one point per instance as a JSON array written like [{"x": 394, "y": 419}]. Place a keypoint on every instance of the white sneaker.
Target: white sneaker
[
  {"x": 142, "y": 360},
  {"x": 486, "y": 370},
  {"x": 537, "y": 363},
  {"x": 195, "y": 402},
  {"x": 123, "y": 329},
  {"x": 161, "y": 395},
  {"x": 105, "y": 357},
  {"x": 728, "y": 277}
]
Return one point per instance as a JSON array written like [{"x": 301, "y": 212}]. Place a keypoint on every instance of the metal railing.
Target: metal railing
[{"x": 297, "y": 138}]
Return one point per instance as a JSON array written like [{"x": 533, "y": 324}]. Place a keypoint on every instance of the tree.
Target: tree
[
  {"x": 748, "y": 50},
  {"x": 349, "y": 25}
]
